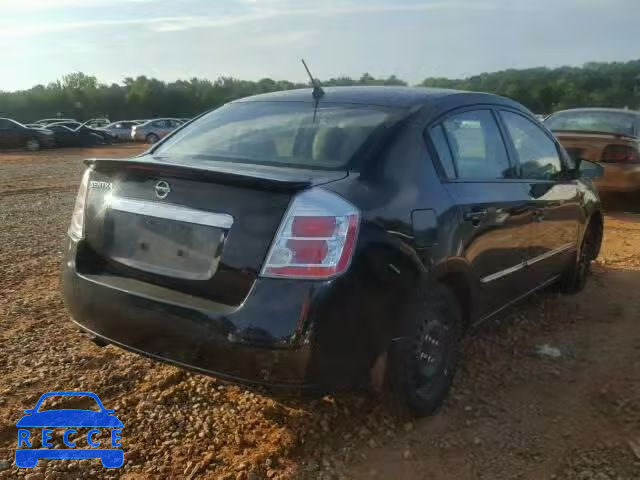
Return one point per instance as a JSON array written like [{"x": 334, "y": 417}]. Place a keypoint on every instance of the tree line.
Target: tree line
[{"x": 542, "y": 90}]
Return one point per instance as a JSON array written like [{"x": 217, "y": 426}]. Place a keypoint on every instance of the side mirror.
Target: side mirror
[{"x": 589, "y": 169}]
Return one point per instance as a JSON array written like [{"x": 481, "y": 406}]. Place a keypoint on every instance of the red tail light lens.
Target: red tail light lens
[
  {"x": 316, "y": 239},
  {"x": 620, "y": 154},
  {"x": 313, "y": 226}
]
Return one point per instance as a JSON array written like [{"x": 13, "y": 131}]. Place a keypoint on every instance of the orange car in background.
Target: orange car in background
[{"x": 605, "y": 135}]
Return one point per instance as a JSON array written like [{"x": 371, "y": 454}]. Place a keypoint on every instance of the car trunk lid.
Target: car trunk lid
[
  {"x": 591, "y": 145},
  {"x": 202, "y": 229}
]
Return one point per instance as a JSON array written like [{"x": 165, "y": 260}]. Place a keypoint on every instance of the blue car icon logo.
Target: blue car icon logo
[{"x": 69, "y": 418}]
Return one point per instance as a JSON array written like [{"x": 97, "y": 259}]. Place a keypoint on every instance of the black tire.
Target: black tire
[
  {"x": 575, "y": 278},
  {"x": 33, "y": 144},
  {"x": 421, "y": 364},
  {"x": 152, "y": 138}
]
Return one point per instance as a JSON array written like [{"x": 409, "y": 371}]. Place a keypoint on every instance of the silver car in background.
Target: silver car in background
[
  {"x": 121, "y": 131},
  {"x": 154, "y": 130}
]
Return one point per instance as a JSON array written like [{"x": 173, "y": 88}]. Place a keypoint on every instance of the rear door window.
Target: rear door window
[
  {"x": 475, "y": 144},
  {"x": 537, "y": 153}
]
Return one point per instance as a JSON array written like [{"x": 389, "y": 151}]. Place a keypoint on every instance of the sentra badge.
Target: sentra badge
[{"x": 100, "y": 184}]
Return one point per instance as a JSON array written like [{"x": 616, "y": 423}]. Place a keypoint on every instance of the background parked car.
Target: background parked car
[
  {"x": 72, "y": 124},
  {"x": 607, "y": 135},
  {"x": 77, "y": 126},
  {"x": 47, "y": 121},
  {"x": 121, "y": 130},
  {"x": 82, "y": 137},
  {"x": 154, "y": 130},
  {"x": 97, "y": 122},
  {"x": 15, "y": 135}
]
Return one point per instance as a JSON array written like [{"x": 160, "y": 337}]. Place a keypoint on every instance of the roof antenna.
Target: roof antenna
[{"x": 317, "y": 92}]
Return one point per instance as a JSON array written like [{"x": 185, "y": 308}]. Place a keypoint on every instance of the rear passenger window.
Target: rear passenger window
[
  {"x": 442, "y": 147},
  {"x": 476, "y": 145},
  {"x": 537, "y": 153}
]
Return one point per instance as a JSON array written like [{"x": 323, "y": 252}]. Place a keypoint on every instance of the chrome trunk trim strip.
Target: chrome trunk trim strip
[{"x": 171, "y": 212}]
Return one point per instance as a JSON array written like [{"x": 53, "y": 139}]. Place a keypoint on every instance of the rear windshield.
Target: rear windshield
[
  {"x": 595, "y": 121},
  {"x": 278, "y": 133}
]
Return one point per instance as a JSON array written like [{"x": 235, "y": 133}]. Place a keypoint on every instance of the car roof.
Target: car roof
[
  {"x": 386, "y": 96},
  {"x": 599, "y": 109}
]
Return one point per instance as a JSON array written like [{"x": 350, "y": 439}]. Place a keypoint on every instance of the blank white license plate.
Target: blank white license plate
[{"x": 165, "y": 247}]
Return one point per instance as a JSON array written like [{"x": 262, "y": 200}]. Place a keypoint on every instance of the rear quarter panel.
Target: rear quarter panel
[{"x": 388, "y": 266}]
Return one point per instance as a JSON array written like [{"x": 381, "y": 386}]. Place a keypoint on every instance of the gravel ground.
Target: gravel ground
[{"x": 513, "y": 412}]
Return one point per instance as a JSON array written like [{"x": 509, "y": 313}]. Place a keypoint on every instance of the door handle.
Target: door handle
[
  {"x": 538, "y": 215},
  {"x": 476, "y": 215}
]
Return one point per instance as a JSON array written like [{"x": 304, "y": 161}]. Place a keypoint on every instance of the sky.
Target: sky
[{"x": 251, "y": 39}]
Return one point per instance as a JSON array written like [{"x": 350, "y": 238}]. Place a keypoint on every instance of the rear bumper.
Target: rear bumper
[
  {"x": 225, "y": 341},
  {"x": 619, "y": 178}
]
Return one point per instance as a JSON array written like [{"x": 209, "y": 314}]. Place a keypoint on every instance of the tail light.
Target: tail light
[
  {"x": 316, "y": 238},
  {"x": 620, "y": 154},
  {"x": 76, "y": 229}
]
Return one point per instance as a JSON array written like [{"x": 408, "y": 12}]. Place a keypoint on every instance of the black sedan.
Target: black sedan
[
  {"x": 322, "y": 241},
  {"x": 82, "y": 137},
  {"x": 85, "y": 129},
  {"x": 16, "y": 135}
]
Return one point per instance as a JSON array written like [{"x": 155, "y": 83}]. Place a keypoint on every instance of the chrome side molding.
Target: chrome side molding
[
  {"x": 551, "y": 253},
  {"x": 527, "y": 263},
  {"x": 503, "y": 273}
]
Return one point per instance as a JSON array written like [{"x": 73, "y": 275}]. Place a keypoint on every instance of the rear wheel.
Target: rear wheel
[
  {"x": 422, "y": 363},
  {"x": 152, "y": 138},
  {"x": 575, "y": 279},
  {"x": 33, "y": 144}
]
